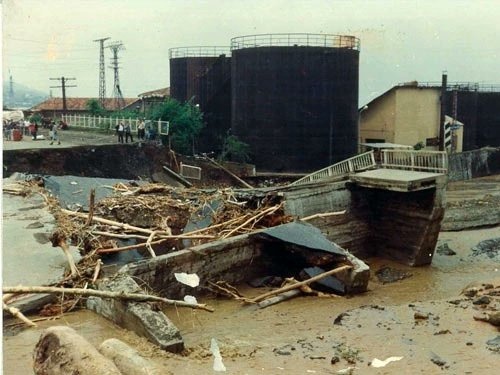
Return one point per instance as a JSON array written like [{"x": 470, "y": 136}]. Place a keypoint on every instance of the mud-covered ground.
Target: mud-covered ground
[{"x": 424, "y": 317}]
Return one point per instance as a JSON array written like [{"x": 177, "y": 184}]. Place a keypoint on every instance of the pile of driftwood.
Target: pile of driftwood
[{"x": 164, "y": 209}]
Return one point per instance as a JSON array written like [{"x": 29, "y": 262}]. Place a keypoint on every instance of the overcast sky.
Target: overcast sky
[{"x": 400, "y": 40}]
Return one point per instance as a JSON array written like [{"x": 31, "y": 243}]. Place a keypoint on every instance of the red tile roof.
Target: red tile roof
[
  {"x": 78, "y": 104},
  {"x": 156, "y": 93}
]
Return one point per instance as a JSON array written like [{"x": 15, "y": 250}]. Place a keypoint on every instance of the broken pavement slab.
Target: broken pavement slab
[{"x": 136, "y": 317}]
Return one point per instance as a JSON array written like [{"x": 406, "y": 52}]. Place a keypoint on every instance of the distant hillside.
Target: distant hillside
[{"x": 23, "y": 98}]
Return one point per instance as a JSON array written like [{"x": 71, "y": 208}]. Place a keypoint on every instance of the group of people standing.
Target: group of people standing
[{"x": 124, "y": 129}]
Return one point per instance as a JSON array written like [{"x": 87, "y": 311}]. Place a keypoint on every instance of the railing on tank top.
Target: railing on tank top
[
  {"x": 426, "y": 161},
  {"x": 198, "y": 51},
  {"x": 354, "y": 164},
  {"x": 295, "y": 39}
]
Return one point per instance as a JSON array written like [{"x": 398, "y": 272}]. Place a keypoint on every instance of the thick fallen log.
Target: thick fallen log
[
  {"x": 60, "y": 350},
  {"x": 127, "y": 359},
  {"x": 299, "y": 284},
  {"x": 103, "y": 294}
]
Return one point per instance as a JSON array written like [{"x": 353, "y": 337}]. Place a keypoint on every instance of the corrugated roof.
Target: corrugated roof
[
  {"x": 78, "y": 104},
  {"x": 156, "y": 93}
]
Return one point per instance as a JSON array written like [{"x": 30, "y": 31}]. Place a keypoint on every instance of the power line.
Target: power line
[
  {"x": 63, "y": 86},
  {"x": 102, "y": 74}
]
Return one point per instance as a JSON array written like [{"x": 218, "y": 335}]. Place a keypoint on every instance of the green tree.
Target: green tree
[
  {"x": 235, "y": 150},
  {"x": 36, "y": 118},
  {"x": 186, "y": 122},
  {"x": 95, "y": 108}
]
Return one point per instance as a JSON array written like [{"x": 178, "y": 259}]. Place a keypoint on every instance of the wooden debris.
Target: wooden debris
[
  {"x": 244, "y": 183},
  {"x": 58, "y": 239},
  {"x": 91, "y": 207},
  {"x": 228, "y": 290},
  {"x": 18, "y": 314},
  {"x": 279, "y": 298},
  {"x": 300, "y": 284},
  {"x": 103, "y": 294},
  {"x": 96, "y": 271},
  {"x": 109, "y": 222},
  {"x": 325, "y": 214},
  {"x": 148, "y": 244}
]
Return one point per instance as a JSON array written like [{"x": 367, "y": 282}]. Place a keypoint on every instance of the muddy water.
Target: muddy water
[{"x": 299, "y": 337}]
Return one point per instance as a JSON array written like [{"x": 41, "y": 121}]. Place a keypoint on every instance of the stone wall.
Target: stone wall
[{"x": 472, "y": 164}]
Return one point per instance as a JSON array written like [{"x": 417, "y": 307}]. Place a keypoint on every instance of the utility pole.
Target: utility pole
[
  {"x": 63, "y": 86},
  {"x": 117, "y": 92},
  {"x": 444, "y": 84},
  {"x": 102, "y": 74}
]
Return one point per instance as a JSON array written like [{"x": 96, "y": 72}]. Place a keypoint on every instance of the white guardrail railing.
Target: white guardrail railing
[
  {"x": 410, "y": 160},
  {"x": 425, "y": 161},
  {"x": 354, "y": 164},
  {"x": 109, "y": 123}
]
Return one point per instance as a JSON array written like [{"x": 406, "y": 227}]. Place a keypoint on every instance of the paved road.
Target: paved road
[{"x": 69, "y": 138}]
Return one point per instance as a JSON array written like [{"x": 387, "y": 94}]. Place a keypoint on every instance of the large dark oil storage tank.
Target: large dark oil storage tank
[
  {"x": 295, "y": 99},
  {"x": 478, "y": 107},
  {"x": 187, "y": 65},
  {"x": 202, "y": 75}
]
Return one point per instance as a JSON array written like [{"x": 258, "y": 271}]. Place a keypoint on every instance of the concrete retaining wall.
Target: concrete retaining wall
[
  {"x": 227, "y": 260},
  {"x": 350, "y": 230},
  {"x": 472, "y": 164}
]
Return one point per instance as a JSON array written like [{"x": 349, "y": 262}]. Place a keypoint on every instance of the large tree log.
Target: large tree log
[
  {"x": 127, "y": 359},
  {"x": 299, "y": 284},
  {"x": 61, "y": 350},
  {"x": 103, "y": 294}
]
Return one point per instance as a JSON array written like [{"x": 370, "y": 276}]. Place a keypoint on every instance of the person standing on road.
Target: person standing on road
[
  {"x": 119, "y": 130},
  {"x": 141, "y": 130},
  {"x": 128, "y": 133},
  {"x": 54, "y": 135},
  {"x": 34, "y": 131}
]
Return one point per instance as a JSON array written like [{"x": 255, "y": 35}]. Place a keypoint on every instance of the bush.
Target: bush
[
  {"x": 94, "y": 108},
  {"x": 186, "y": 122},
  {"x": 235, "y": 150}
]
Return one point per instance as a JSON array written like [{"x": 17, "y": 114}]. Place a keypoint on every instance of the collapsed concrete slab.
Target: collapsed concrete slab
[
  {"x": 244, "y": 257},
  {"x": 136, "y": 317}
]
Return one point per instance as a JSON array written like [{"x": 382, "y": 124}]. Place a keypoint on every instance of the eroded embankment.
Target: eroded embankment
[{"x": 125, "y": 161}]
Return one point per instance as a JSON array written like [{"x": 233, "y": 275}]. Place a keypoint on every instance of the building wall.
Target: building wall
[
  {"x": 377, "y": 122},
  {"x": 405, "y": 115},
  {"x": 417, "y": 115}
]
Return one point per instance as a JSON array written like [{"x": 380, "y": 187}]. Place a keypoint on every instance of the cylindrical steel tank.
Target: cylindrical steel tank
[
  {"x": 295, "y": 99},
  {"x": 202, "y": 75},
  {"x": 187, "y": 66}
]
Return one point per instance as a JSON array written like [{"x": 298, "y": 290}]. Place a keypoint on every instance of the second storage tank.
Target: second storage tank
[{"x": 295, "y": 99}]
